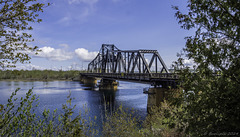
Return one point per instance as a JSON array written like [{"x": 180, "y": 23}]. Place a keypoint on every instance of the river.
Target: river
[{"x": 53, "y": 94}]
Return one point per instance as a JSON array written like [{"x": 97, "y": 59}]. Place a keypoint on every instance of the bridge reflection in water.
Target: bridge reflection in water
[{"x": 144, "y": 66}]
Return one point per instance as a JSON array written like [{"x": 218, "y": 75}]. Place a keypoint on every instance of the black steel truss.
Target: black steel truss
[{"x": 110, "y": 59}]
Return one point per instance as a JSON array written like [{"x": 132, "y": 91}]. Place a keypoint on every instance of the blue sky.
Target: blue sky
[{"x": 73, "y": 31}]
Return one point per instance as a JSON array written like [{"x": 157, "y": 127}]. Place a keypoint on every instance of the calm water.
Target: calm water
[{"x": 54, "y": 93}]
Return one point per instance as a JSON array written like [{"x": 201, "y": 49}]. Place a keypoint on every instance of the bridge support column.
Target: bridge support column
[
  {"x": 106, "y": 84},
  {"x": 89, "y": 81},
  {"x": 155, "y": 97}
]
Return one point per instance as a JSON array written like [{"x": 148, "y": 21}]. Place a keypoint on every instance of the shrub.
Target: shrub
[
  {"x": 19, "y": 119},
  {"x": 121, "y": 123}
]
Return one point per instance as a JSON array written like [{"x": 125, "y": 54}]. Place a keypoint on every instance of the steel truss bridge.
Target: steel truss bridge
[{"x": 145, "y": 66}]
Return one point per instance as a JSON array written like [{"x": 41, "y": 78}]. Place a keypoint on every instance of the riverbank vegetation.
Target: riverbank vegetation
[
  {"x": 210, "y": 101},
  {"x": 38, "y": 75},
  {"x": 18, "y": 118},
  {"x": 207, "y": 104}
]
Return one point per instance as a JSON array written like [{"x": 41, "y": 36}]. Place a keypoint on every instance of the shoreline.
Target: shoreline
[{"x": 32, "y": 80}]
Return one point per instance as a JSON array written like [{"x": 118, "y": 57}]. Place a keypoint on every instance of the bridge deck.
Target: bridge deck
[{"x": 153, "y": 78}]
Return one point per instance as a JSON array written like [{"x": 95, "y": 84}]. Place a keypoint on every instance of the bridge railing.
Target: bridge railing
[
  {"x": 120, "y": 75},
  {"x": 165, "y": 75},
  {"x": 134, "y": 76}
]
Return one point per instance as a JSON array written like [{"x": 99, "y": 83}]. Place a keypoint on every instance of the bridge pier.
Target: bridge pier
[
  {"x": 107, "y": 84},
  {"x": 89, "y": 81},
  {"x": 156, "y": 95}
]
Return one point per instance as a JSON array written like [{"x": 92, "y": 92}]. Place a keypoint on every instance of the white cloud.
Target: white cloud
[
  {"x": 65, "y": 20},
  {"x": 188, "y": 62},
  {"x": 54, "y": 54},
  {"x": 85, "y": 55},
  {"x": 72, "y": 16},
  {"x": 29, "y": 67},
  {"x": 90, "y": 2},
  {"x": 77, "y": 11}
]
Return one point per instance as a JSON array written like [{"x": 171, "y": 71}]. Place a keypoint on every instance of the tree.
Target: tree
[
  {"x": 15, "y": 19},
  {"x": 211, "y": 94}
]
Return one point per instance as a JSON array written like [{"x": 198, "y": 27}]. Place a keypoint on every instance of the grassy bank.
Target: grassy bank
[{"x": 42, "y": 75}]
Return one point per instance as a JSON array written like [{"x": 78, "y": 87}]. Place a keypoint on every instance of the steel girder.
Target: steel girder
[{"x": 110, "y": 59}]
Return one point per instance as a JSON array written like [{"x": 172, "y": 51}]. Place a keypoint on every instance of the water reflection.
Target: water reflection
[
  {"x": 108, "y": 100},
  {"x": 54, "y": 93}
]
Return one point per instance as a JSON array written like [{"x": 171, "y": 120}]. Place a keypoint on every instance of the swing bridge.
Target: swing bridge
[{"x": 144, "y": 66}]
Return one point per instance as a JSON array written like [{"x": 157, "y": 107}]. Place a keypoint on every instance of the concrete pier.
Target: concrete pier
[
  {"x": 156, "y": 96},
  {"x": 89, "y": 81},
  {"x": 106, "y": 84}
]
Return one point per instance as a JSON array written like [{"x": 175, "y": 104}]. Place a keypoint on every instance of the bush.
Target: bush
[
  {"x": 164, "y": 121},
  {"x": 121, "y": 123},
  {"x": 19, "y": 119}
]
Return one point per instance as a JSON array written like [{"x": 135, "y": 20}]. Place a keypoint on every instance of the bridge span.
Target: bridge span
[{"x": 144, "y": 66}]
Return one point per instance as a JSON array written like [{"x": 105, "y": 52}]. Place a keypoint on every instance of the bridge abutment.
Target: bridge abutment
[{"x": 106, "y": 84}]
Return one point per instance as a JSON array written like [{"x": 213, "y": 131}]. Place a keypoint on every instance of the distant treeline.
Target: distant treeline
[{"x": 38, "y": 74}]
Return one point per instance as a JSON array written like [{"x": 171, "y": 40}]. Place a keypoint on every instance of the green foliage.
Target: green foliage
[
  {"x": 211, "y": 95},
  {"x": 15, "y": 19},
  {"x": 121, "y": 123},
  {"x": 18, "y": 118},
  {"x": 164, "y": 121},
  {"x": 38, "y": 74}
]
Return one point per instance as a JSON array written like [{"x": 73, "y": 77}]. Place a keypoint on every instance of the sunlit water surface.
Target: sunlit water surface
[{"x": 53, "y": 94}]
